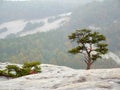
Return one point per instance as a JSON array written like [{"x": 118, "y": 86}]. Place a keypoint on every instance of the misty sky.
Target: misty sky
[{"x": 82, "y": 1}]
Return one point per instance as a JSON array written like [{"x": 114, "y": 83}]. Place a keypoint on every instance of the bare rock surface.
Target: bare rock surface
[{"x": 55, "y": 77}]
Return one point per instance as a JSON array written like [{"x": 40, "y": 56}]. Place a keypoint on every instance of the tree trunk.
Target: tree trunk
[
  {"x": 88, "y": 66},
  {"x": 89, "y": 61}
]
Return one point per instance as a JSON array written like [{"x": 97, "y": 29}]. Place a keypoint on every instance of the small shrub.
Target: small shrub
[
  {"x": 12, "y": 70},
  {"x": 15, "y": 71},
  {"x": 24, "y": 71},
  {"x": 30, "y": 64},
  {"x": 1, "y": 72},
  {"x": 4, "y": 73},
  {"x": 34, "y": 66}
]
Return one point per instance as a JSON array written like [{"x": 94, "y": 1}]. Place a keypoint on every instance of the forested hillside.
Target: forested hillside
[
  {"x": 98, "y": 14},
  {"x": 52, "y": 47}
]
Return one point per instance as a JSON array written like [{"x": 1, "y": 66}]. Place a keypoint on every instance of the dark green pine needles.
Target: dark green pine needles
[{"x": 91, "y": 44}]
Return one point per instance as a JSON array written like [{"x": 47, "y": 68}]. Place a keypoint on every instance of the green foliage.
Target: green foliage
[
  {"x": 90, "y": 44},
  {"x": 36, "y": 47},
  {"x": 12, "y": 67},
  {"x": 34, "y": 66},
  {"x": 12, "y": 70},
  {"x": 24, "y": 71},
  {"x": 50, "y": 47},
  {"x": 30, "y": 64},
  {"x": 1, "y": 72},
  {"x": 15, "y": 71}
]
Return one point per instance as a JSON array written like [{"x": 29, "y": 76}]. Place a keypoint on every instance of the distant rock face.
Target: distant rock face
[
  {"x": 26, "y": 27},
  {"x": 64, "y": 78}
]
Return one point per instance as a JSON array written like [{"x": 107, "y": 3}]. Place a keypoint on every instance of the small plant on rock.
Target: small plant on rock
[
  {"x": 15, "y": 71},
  {"x": 12, "y": 70},
  {"x": 33, "y": 66}
]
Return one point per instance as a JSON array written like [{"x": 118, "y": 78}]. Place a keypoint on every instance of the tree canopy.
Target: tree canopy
[{"x": 90, "y": 44}]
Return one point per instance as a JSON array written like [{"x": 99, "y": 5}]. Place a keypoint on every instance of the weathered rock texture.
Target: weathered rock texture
[{"x": 64, "y": 78}]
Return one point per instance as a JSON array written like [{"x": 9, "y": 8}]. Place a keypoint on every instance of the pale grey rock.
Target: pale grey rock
[{"x": 64, "y": 78}]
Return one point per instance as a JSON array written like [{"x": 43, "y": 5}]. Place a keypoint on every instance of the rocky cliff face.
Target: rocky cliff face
[{"x": 64, "y": 78}]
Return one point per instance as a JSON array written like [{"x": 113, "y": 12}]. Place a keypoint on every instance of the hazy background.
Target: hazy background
[{"x": 38, "y": 30}]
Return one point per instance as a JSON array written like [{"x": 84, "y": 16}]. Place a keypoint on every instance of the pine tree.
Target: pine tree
[{"x": 90, "y": 44}]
